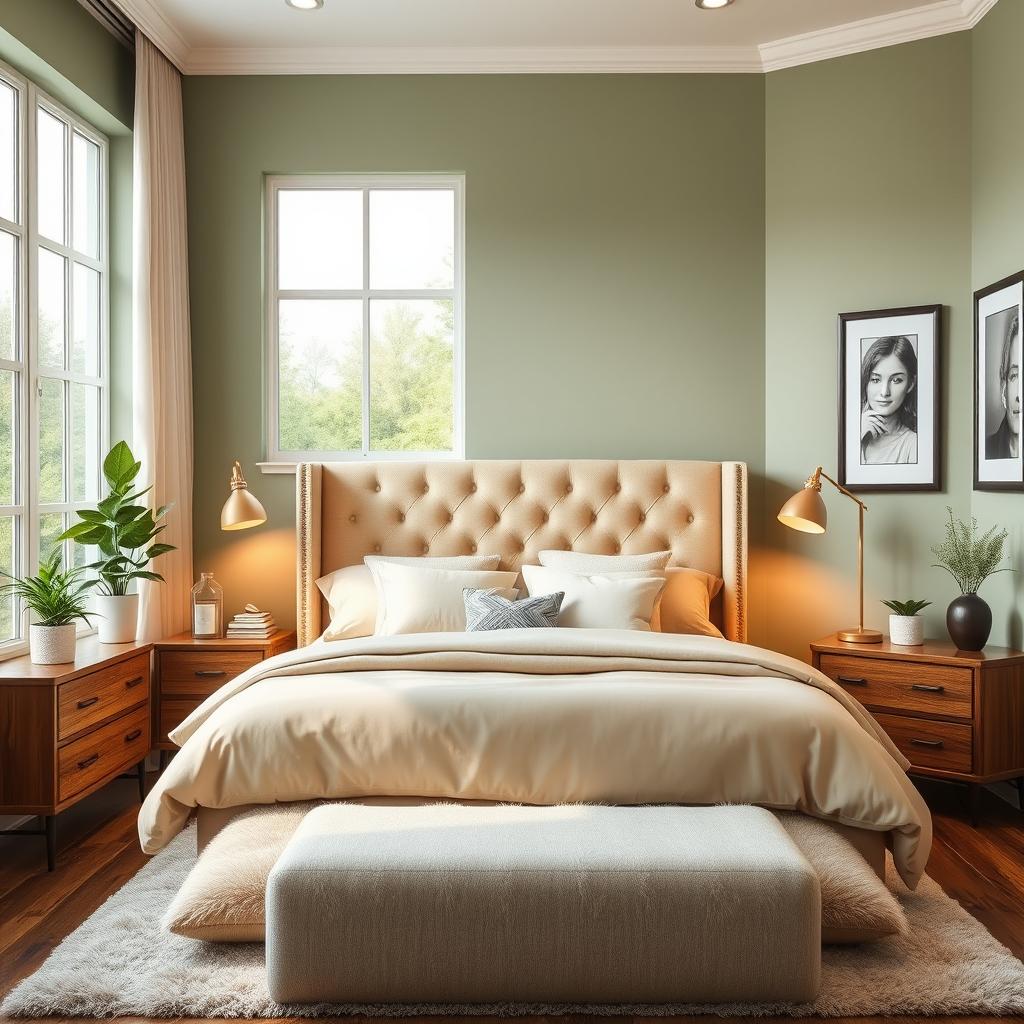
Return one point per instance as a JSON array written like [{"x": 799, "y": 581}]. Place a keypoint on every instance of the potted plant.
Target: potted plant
[
  {"x": 906, "y": 627},
  {"x": 124, "y": 532},
  {"x": 970, "y": 560},
  {"x": 57, "y": 598}
]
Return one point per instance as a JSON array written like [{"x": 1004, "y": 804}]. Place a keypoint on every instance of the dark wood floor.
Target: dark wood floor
[{"x": 98, "y": 851}]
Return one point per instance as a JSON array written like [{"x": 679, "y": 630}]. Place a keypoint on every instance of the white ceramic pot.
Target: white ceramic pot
[
  {"x": 51, "y": 645},
  {"x": 117, "y": 618},
  {"x": 906, "y": 630}
]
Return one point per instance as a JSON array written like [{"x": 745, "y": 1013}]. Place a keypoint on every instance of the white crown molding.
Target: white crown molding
[{"x": 932, "y": 19}]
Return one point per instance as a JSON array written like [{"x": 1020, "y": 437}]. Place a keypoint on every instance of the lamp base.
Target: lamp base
[{"x": 859, "y": 636}]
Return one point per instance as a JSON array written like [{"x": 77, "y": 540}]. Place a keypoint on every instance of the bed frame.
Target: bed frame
[{"x": 698, "y": 510}]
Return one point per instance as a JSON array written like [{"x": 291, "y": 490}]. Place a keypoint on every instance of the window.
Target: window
[
  {"x": 364, "y": 317},
  {"x": 53, "y": 329}
]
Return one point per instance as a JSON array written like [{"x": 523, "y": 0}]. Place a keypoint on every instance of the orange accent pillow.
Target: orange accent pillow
[{"x": 684, "y": 605}]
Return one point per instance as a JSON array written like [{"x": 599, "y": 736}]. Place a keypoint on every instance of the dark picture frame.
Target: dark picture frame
[
  {"x": 998, "y": 311},
  {"x": 893, "y": 441}
]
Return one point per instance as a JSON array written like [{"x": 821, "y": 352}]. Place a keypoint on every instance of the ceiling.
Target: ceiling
[{"x": 452, "y": 36}]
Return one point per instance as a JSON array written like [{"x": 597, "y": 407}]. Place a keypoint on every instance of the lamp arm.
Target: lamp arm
[
  {"x": 819, "y": 472},
  {"x": 861, "y": 509}
]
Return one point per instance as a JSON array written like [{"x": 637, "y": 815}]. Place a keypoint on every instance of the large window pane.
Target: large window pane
[
  {"x": 51, "y": 138},
  {"x": 320, "y": 368},
  {"x": 8, "y": 563},
  {"x": 8, "y": 296},
  {"x": 51, "y": 440},
  {"x": 85, "y": 201},
  {"x": 51, "y": 526},
  {"x": 51, "y": 309},
  {"x": 85, "y": 336},
  {"x": 412, "y": 238},
  {"x": 320, "y": 239},
  {"x": 8, "y": 152},
  {"x": 411, "y": 374},
  {"x": 85, "y": 441},
  {"x": 8, "y": 435}
]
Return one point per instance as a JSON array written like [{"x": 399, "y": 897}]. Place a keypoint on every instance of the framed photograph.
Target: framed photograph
[
  {"x": 889, "y": 399},
  {"x": 997, "y": 387}
]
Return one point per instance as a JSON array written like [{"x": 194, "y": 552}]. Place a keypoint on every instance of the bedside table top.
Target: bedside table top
[
  {"x": 90, "y": 655},
  {"x": 935, "y": 652},
  {"x": 187, "y": 642}
]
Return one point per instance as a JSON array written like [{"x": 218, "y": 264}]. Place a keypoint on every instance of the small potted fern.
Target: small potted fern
[
  {"x": 906, "y": 627},
  {"x": 57, "y": 598}
]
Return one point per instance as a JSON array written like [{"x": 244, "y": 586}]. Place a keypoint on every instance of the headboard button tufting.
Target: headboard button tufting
[{"x": 689, "y": 518}]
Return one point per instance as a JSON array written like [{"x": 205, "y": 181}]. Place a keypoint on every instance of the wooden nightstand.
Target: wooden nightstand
[
  {"x": 955, "y": 715},
  {"x": 68, "y": 730},
  {"x": 189, "y": 670}
]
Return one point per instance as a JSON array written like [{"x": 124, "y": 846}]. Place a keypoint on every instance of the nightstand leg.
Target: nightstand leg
[
  {"x": 164, "y": 758},
  {"x": 51, "y": 841},
  {"x": 141, "y": 769}
]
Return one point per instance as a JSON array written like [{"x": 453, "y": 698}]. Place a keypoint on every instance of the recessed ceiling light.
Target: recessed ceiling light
[
  {"x": 312, "y": 5},
  {"x": 712, "y": 5}
]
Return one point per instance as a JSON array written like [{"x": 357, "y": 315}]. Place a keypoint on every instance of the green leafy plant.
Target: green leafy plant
[
  {"x": 911, "y": 607},
  {"x": 968, "y": 558},
  {"x": 55, "y": 595},
  {"x": 122, "y": 529}
]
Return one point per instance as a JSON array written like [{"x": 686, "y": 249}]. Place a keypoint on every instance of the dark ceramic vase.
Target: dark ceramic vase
[{"x": 969, "y": 621}]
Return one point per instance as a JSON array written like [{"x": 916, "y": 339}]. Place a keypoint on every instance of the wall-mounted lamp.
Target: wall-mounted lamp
[{"x": 241, "y": 510}]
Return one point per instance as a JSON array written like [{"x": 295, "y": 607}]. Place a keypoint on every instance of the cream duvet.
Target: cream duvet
[{"x": 542, "y": 716}]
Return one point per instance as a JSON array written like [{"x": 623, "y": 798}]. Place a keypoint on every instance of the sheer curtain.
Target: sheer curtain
[{"x": 161, "y": 350}]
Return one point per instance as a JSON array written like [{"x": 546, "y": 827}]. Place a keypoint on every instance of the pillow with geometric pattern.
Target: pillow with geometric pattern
[{"x": 487, "y": 610}]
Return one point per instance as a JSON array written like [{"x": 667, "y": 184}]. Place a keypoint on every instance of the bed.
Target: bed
[{"x": 537, "y": 716}]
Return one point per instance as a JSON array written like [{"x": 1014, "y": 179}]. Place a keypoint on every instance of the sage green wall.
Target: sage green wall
[
  {"x": 615, "y": 267},
  {"x": 868, "y": 168},
  {"x": 997, "y": 148}
]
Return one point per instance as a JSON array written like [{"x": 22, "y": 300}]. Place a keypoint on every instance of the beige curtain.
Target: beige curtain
[{"x": 161, "y": 351}]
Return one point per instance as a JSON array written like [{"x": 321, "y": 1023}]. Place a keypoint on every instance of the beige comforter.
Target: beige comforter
[{"x": 542, "y": 716}]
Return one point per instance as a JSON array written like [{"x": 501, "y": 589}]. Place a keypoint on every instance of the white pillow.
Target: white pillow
[
  {"x": 417, "y": 600},
  {"x": 352, "y": 594},
  {"x": 598, "y": 601},
  {"x": 587, "y": 565}
]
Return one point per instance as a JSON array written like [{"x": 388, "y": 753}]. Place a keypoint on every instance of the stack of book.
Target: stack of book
[{"x": 252, "y": 624}]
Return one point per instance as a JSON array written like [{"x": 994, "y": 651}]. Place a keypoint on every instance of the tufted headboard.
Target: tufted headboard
[{"x": 698, "y": 510}]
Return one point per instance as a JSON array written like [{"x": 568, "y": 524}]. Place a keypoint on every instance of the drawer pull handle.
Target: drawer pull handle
[
  {"x": 92, "y": 759},
  {"x": 853, "y": 681},
  {"x": 937, "y": 744},
  {"x": 133, "y": 735},
  {"x": 133, "y": 683},
  {"x": 925, "y": 688},
  {"x": 210, "y": 673},
  {"x": 88, "y": 702}
]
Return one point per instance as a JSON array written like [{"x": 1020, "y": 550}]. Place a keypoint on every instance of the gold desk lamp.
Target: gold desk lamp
[
  {"x": 242, "y": 509},
  {"x": 806, "y": 512}
]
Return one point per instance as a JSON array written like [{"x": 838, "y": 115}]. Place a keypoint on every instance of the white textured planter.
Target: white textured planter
[
  {"x": 906, "y": 630},
  {"x": 51, "y": 645},
  {"x": 117, "y": 618}
]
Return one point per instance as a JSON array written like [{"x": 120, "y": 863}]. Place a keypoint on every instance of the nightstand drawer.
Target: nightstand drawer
[
  {"x": 926, "y": 744},
  {"x": 103, "y": 753},
  {"x": 92, "y": 698},
  {"x": 202, "y": 672},
  {"x": 901, "y": 686},
  {"x": 174, "y": 711}
]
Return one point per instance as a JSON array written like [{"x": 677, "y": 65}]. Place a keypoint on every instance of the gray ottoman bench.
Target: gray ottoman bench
[{"x": 571, "y": 904}]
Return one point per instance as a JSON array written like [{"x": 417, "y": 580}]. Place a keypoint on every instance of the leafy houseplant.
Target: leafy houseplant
[
  {"x": 906, "y": 627},
  {"x": 125, "y": 532},
  {"x": 57, "y": 598},
  {"x": 970, "y": 560}
]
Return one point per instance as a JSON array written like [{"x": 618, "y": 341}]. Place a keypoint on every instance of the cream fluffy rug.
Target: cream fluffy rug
[{"x": 120, "y": 964}]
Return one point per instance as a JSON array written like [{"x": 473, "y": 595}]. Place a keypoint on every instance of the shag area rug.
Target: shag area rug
[{"x": 120, "y": 964}]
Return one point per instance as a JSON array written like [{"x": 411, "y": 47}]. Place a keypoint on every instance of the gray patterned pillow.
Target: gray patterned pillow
[{"x": 486, "y": 610}]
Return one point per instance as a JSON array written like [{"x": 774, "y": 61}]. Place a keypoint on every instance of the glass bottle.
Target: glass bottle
[{"x": 207, "y": 608}]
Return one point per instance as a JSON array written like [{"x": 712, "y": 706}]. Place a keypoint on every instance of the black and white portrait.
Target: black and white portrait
[
  {"x": 889, "y": 399},
  {"x": 998, "y": 464}
]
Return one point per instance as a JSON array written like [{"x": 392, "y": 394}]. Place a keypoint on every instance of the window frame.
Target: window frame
[
  {"x": 27, "y": 507},
  {"x": 285, "y": 461}
]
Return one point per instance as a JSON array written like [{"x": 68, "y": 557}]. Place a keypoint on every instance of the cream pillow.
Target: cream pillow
[
  {"x": 587, "y": 565},
  {"x": 412, "y": 599},
  {"x": 352, "y": 594},
  {"x": 601, "y": 601}
]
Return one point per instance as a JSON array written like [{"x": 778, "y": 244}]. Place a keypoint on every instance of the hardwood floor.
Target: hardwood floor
[{"x": 98, "y": 851}]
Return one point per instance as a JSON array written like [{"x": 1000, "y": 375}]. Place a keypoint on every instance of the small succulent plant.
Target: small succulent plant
[{"x": 907, "y": 608}]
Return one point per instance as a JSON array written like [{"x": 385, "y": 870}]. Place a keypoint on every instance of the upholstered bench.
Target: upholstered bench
[{"x": 570, "y": 904}]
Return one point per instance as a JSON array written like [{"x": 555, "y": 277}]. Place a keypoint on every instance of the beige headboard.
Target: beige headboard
[{"x": 698, "y": 510}]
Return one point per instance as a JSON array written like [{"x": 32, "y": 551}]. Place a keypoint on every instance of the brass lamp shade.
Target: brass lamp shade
[
  {"x": 805, "y": 511},
  {"x": 242, "y": 509}
]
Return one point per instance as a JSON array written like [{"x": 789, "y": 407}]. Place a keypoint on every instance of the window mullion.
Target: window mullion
[{"x": 366, "y": 323}]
